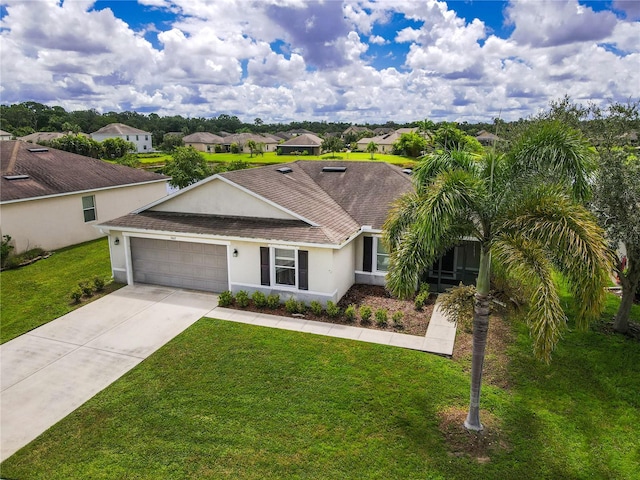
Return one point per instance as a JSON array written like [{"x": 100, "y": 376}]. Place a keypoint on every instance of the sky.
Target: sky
[{"x": 357, "y": 61}]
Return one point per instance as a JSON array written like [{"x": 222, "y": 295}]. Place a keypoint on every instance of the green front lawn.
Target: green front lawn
[
  {"x": 227, "y": 400},
  {"x": 36, "y": 294},
  {"x": 270, "y": 158}
]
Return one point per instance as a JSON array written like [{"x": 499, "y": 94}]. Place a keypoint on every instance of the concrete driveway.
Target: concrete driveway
[{"x": 52, "y": 370}]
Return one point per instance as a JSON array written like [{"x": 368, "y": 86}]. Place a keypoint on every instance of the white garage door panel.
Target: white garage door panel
[{"x": 196, "y": 266}]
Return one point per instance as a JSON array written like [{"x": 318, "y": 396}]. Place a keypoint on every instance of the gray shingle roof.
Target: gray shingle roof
[
  {"x": 332, "y": 206},
  {"x": 120, "y": 129},
  {"x": 203, "y": 137},
  {"x": 54, "y": 172},
  {"x": 304, "y": 140}
]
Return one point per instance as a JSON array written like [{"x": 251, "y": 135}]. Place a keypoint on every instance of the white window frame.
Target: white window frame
[
  {"x": 273, "y": 266},
  {"x": 95, "y": 210},
  {"x": 377, "y": 241}
]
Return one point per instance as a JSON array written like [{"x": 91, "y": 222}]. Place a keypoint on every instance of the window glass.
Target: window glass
[
  {"x": 285, "y": 266},
  {"x": 89, "y": 208},
  {"x": 382, "y": 257}
]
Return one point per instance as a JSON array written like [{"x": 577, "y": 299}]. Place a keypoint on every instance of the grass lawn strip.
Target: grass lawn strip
[
  {"x": 36, "y": 294},
  {"x": 228, "y": 400}
]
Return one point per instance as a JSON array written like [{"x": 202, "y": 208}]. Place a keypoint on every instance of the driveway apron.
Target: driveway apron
[{"x": 49, "y": 372}]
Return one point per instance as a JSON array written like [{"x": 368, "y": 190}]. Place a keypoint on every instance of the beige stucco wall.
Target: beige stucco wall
[
  {"x": 219, "y": 198},
  {"x": 57, "y": 222},
  {"x": 343, "y": 262}
]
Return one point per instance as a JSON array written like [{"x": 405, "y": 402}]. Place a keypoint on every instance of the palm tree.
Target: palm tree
[
  {"x": 524, "y": 208},
  {"x": 372, "y": 148}
]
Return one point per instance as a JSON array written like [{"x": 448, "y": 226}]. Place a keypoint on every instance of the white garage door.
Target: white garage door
[{"x": 195, "y": 266}]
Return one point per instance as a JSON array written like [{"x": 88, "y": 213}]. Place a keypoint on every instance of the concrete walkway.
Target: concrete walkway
[
  {"x": 440, "y": 337},
  {"x": 49, "y": 372}
]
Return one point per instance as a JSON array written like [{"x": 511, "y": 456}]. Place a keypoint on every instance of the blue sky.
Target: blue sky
[{"x": 336, "y": 60}]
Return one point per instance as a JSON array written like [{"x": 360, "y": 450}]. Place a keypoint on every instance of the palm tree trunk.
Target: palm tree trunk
[{"x": 480, "y": 330}]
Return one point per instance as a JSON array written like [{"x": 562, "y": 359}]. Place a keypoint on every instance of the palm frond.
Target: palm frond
[
  {"x": 553, "y": 150},
  {"x": 572, "y": 238},
  {"x": 442, "y": 161},
  {"x": 523, "y": 259}
]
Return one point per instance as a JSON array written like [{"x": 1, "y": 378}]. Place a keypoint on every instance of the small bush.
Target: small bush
[
  {"x": 291, "y": 305},
  {"x": 273, "y": 301},
  {"x": 32, "y": 253},
  {"x": 301, "y": 307},
  {"x": 365, "y": 314},
  {"x": 225, "y": 299},
  {"x": 259, "y": 299},
  {"x": 76, "y": 295},
  {"x": 12, "y": 262},
  {"x": 350, "y": 313},
  {"x": 421, "y": 300},
  {"x": 381, "y": 317},
  {"x": 87, "y": 288},
  {"x": 5, "y": 249},
  {"x": 98, "y": 284},
  {"x": 397, "y": 319},
  {"x": 316, "y": 307},
  {"x": 333, "y": 310},
  {"x": 242, "y": 299}
]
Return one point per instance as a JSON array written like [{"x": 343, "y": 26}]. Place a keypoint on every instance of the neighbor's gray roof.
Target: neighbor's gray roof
[
  {"x": 304, "y": 140},
  {"x": 55, "y": 172},
  {"x": 243, "y": 138},
  {"x": 203, "y": 137},
  {"x": 43, "y": 136},
  {"x": 119, "y": 129},
  {"x": 334, "y": 204}
]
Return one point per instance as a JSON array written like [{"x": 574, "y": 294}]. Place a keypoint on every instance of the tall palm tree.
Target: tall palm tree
[{"x": 524, "y": 207}]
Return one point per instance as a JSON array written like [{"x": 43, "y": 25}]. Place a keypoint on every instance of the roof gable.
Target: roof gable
[
  {"x": 56, "y": 172},
  {"x": 119, "y": 129},
  {"x": 304, "y": 140}
]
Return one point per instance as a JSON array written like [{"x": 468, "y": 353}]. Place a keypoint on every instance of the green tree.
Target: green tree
[
  {"x": 186, "y": 166},
  {"x": 524, "y": 209},
  {"x": 410, "y": 144},
  {"x": 372, "y": 148},
  {"x": 80, "y": 144},
  {"x": 449, "y": 137},
  {"x": 251, "y": 144},
  {"x": 332, "y": 144},
  {"x": 117, "y": 147},
  {"x": 170, "y": 142}
]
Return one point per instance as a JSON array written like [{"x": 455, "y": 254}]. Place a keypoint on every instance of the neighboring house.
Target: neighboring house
[
  {"x": 382, "y": 130},
  {"x": 51, "y": 198},
  {"x": 203, "y": 141},
  {"x": 140, "y": 138},
  {"x": 241, "y": 139},
  {"x": 385, "y": 142},
  {"x": 5, "y": 135},
  {"x": 487, "y": 138},
  {"x": 308, "y": 142},
  {"x": 38, "y": 137},
  {"x": 306, "y": 229},
  {"x": 355, "y": 130}
]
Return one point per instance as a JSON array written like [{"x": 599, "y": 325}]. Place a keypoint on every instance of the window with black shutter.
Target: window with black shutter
[
  {"x": 303, "y": 269},
  {"x": 367, "y": 262},
  {"x": 265, "y": 276}
]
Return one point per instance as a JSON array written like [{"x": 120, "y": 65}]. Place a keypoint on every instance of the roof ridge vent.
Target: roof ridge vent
[
  {"x": 284, "y": 170},
  {"x": 38, "y": 150},
  {"x": 334, "y": 169}
]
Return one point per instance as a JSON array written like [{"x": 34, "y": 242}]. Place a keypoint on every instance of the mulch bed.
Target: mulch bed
[{"x": 376, "y": 297}]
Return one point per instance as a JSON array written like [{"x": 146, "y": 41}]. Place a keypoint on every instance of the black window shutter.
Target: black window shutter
[
  {"x": 303, "y": 269},
  {"x": 265, "y": 277},
  {"x": 367, "y": 262}
]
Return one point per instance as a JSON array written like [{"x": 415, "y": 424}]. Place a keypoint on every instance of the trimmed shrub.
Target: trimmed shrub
[
  {"x": 365, "y": 314},
  {"x": 5, "y": 249},
  {"x": 316, "y": 307},
  {"x": 76, "y": 295},
  {"x": 225, "y": 299},
  {"x": 87, "y": 289},
  {"x": 397, "y": 319},
  {"x": 98, "y": 284},
  {"x": 381, "y": 317},
  {"x": 301, "y": 307},
  {"x": 422, "y": 297},
  {"x": 273, "y": 301},
  {"x": 259, "y": 299},
  {"x": 291, "y": 305},
  {"x": 333, "y": 310},
  {"x": 350, "y": 313},
  {"x": 242, "y": 299}
]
